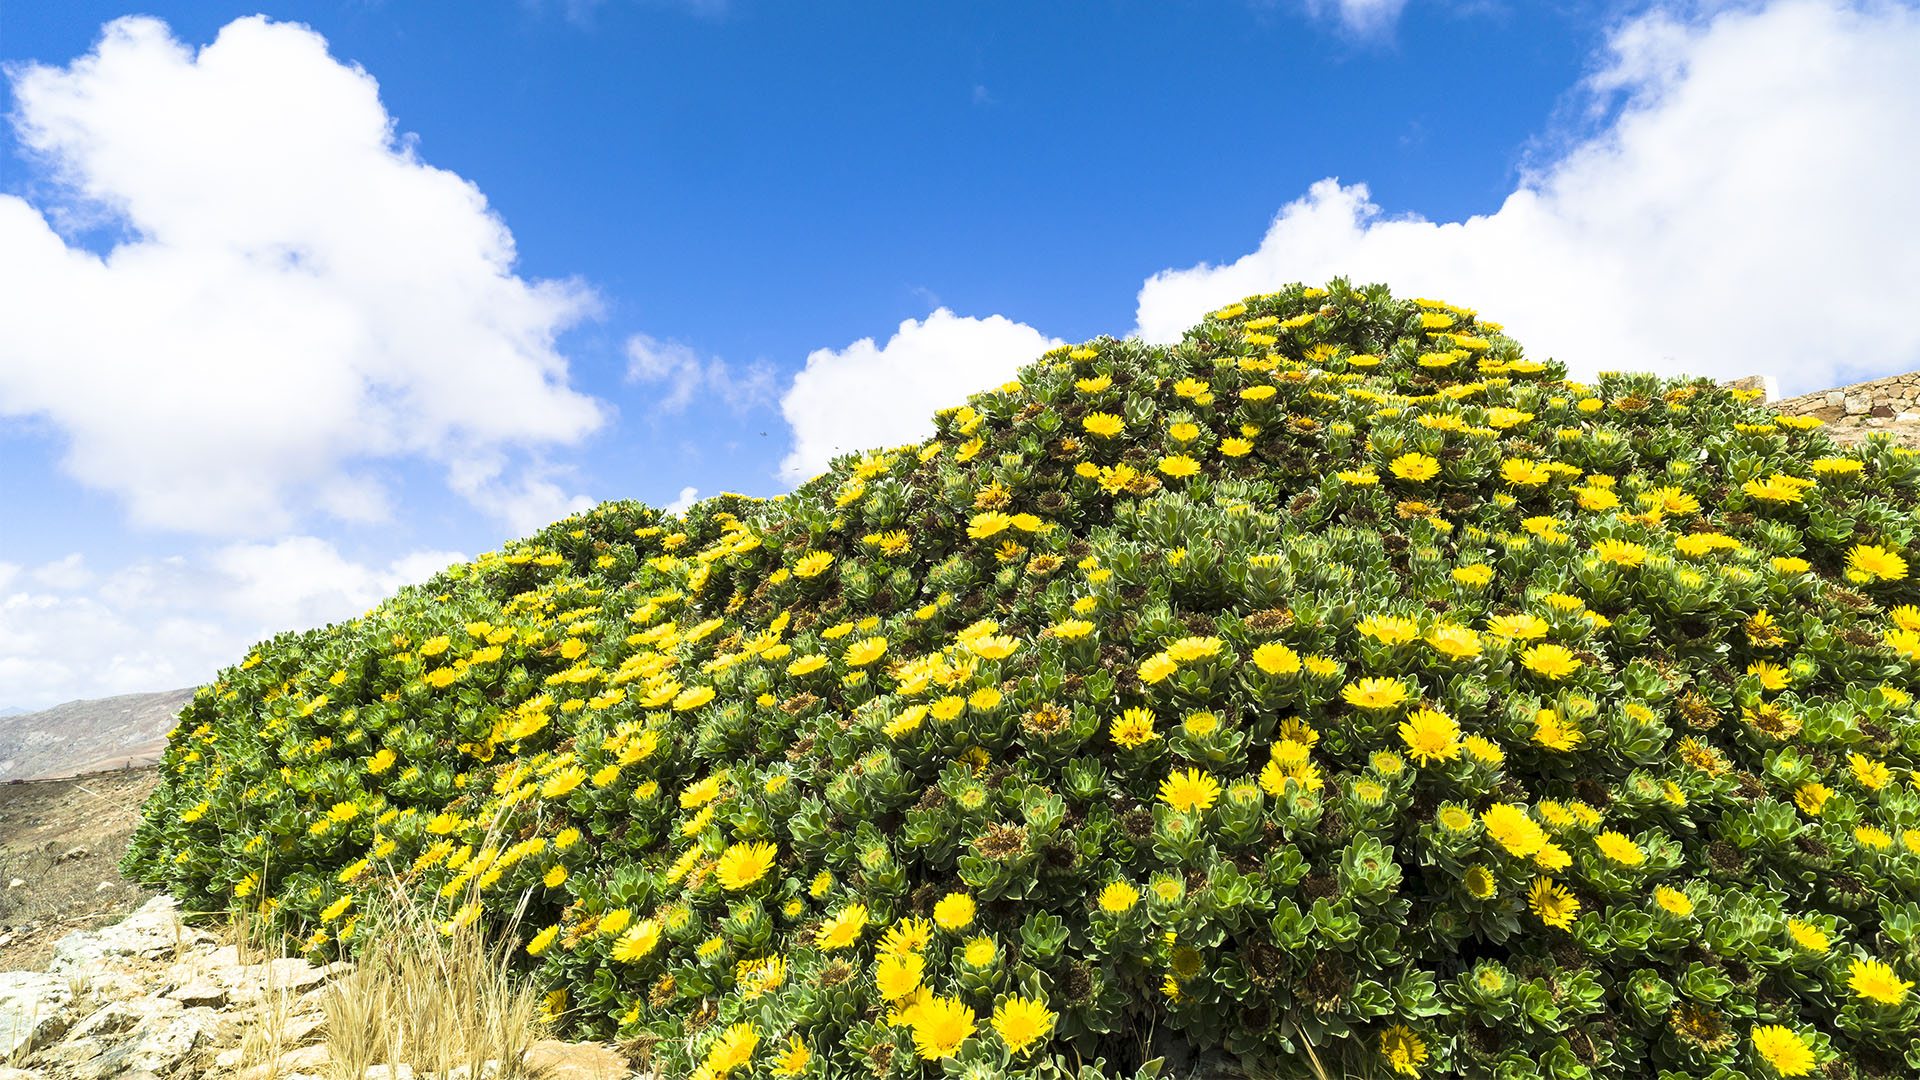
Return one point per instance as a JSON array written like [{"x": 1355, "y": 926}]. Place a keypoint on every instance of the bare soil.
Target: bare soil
[
  {"x": 1853, "y": 430},
  {"x": 61, "y": 841}
]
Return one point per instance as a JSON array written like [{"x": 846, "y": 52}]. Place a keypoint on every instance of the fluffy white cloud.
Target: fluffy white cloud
[
  {"x": 868, "y": 395},
  {"x": 687, "y": 374},
  {"x": 160, "y": 623},
  {"x": 688, "y": 495},
  {"x": 1746, "y": 207},
  {"x": 291, "y": 294},
  {"x": 1359, "y": 16}
]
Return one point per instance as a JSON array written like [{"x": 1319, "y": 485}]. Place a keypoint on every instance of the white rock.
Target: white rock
[
  {"x": 154, "y": 932},
  {"x": 33, "y": 1011},
  {"x": 160, "y": 1049}
]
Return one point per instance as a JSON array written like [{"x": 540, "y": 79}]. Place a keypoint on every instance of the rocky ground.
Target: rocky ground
[
  {"x": 153, "y": 998},
  {"x": 1854, "y": 430},
  {"x": 101, "y": 978},
  {"x": 60, "y": 848}
]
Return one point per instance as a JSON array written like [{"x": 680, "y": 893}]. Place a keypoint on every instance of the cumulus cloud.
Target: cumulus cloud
[
  {"x": 686, "y": 375},
  {"x": 159, "y": 623},
  {"x": 688, "y": 495},
  {"x": 868, "y": 395},
  {"x": 289, "y": 294},
  {"x": 1363, "y": 17},
  {"x": 1744, "y": 206}
]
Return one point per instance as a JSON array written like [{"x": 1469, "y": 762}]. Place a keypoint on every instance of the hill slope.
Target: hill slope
[
  {"x": 1337, "y": 688},
  {"x": 82, "y": 736}
]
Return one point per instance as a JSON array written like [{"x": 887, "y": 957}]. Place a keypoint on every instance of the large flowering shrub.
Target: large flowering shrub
[{"x": 1336, "y": 689}]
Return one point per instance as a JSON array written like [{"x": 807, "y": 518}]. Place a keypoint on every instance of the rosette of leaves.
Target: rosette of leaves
[{"x": 1336, "y": 689}]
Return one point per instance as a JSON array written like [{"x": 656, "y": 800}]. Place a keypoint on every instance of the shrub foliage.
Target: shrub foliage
[{"x": 1337, "y": 689}]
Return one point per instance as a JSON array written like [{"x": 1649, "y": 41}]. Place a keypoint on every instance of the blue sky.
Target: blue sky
[{"x": 704, "y": 199}]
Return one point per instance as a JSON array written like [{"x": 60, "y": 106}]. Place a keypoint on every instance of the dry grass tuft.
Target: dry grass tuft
[{"x": 433, "y": 994}]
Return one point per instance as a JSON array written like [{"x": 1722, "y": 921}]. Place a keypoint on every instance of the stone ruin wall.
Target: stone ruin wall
[{"x": 1894, "y": 397}]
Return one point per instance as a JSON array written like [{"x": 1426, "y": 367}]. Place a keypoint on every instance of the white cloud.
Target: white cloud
[
  {"x": 1746, "y": 207},
  {"x": 69, "y": 572},
  {"x": 530, "y": 502},
  {"x": 1365, "y": 17},
  {"x": 866, "y": 396},
  {"x": 686, "y": 374},
  {"x": 688, "y": 495},
  {"x": 294, "y": 296},
  {"x": 161, "y": 623}
]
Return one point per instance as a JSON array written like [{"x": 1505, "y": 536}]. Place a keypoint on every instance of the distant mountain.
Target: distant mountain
[
  {"x": 82, "y": 736},
  {"x": 13, "y": 710}
]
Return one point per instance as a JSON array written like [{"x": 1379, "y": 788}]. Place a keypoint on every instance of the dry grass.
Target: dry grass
[{"x": 434, "y": 995}]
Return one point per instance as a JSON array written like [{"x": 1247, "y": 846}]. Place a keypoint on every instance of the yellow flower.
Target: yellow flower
[
  {"x": 1870, "y": 562},
  {"x": 1522, "y": 472},
  {"x": 1513, "y": 829},
  {"x": 941, "y": 1026},
  {"x": 1430, "y": 735},
  {"x": 1191, "y": 790},
  {"x": 1784, "y": 1048},
  {"x": 1553, "y": 903},
  {"x": 543, "y": 940},
  {"x": 813, "y": 564},
  {"x": 638, "y": 942},
  {"x": 1554, "y": 731},
  {"x": 1904, "y": 642},
  {"x": 793, "y": 1060},
  {"x": 1105, "y": 425},
  {"x": 1118, "y": 898},
  {"x": 992, "y": 646},
  {"x": 742, "y": 865},
  {"x": 732, "y": 1050},
  {"x": 1454, "y": 642},
  {"x": 897, "y": 976},
  {"x": 1876, "y": 981},
  {"x": 1157, "y": 667},
  {"x": 1375, "y": 693},
  {"x": 1620, "y": 551},
  {"x": 1276, "y": 659},
  {"x": 1179, "y": 466},
  {"x": 1812, "y": 797},
  {"x": 1617, "y": 847},
  {"x": 1673, "y": 900},
  {"x": 1868, "y": 773},
  {"x": 991, "y": 523},
  {"x": 692, "y": 698},
  {"x": 1022, "y": 1022},
  {"x": 1404, "y": 1050},
  {"x": 1234, "y": 446},
  {"x": 1418, "y": 468},
  {"x": 1388, "y": 629},
  {"x": 1808, "y": 936},
  {"x": 866, "y": 651},
  {"x": 1550, "y": 660},
  {"x": 1474, "y": 576},
  {"x": 1188, "y": 649},
  {"x": 1133, "y": 728},
  {"x": 954, "y": 911},
  {"x": 1517, "y": 627},
  {"x": 1779, "y": 488},
  {"x": 843, "y": 929},
  {"x": 1771, "y": 676},
  {"x": 979, "y": 951}
]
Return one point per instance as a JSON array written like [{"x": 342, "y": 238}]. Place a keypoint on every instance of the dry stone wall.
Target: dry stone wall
[{"x": 1886, "y": 398}]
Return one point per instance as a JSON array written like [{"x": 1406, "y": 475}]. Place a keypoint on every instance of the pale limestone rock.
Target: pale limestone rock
[{"x": 33, "y": 1011}]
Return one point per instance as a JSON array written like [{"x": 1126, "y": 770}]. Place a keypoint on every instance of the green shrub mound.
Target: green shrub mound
[{"x": 1335, "y": 690}]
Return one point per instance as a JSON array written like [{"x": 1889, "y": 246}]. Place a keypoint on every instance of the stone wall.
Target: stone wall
[{"x": 1889, "y": 397}]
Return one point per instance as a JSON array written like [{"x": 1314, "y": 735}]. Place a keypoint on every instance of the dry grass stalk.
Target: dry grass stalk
[{"x": 432, "y": 993}]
